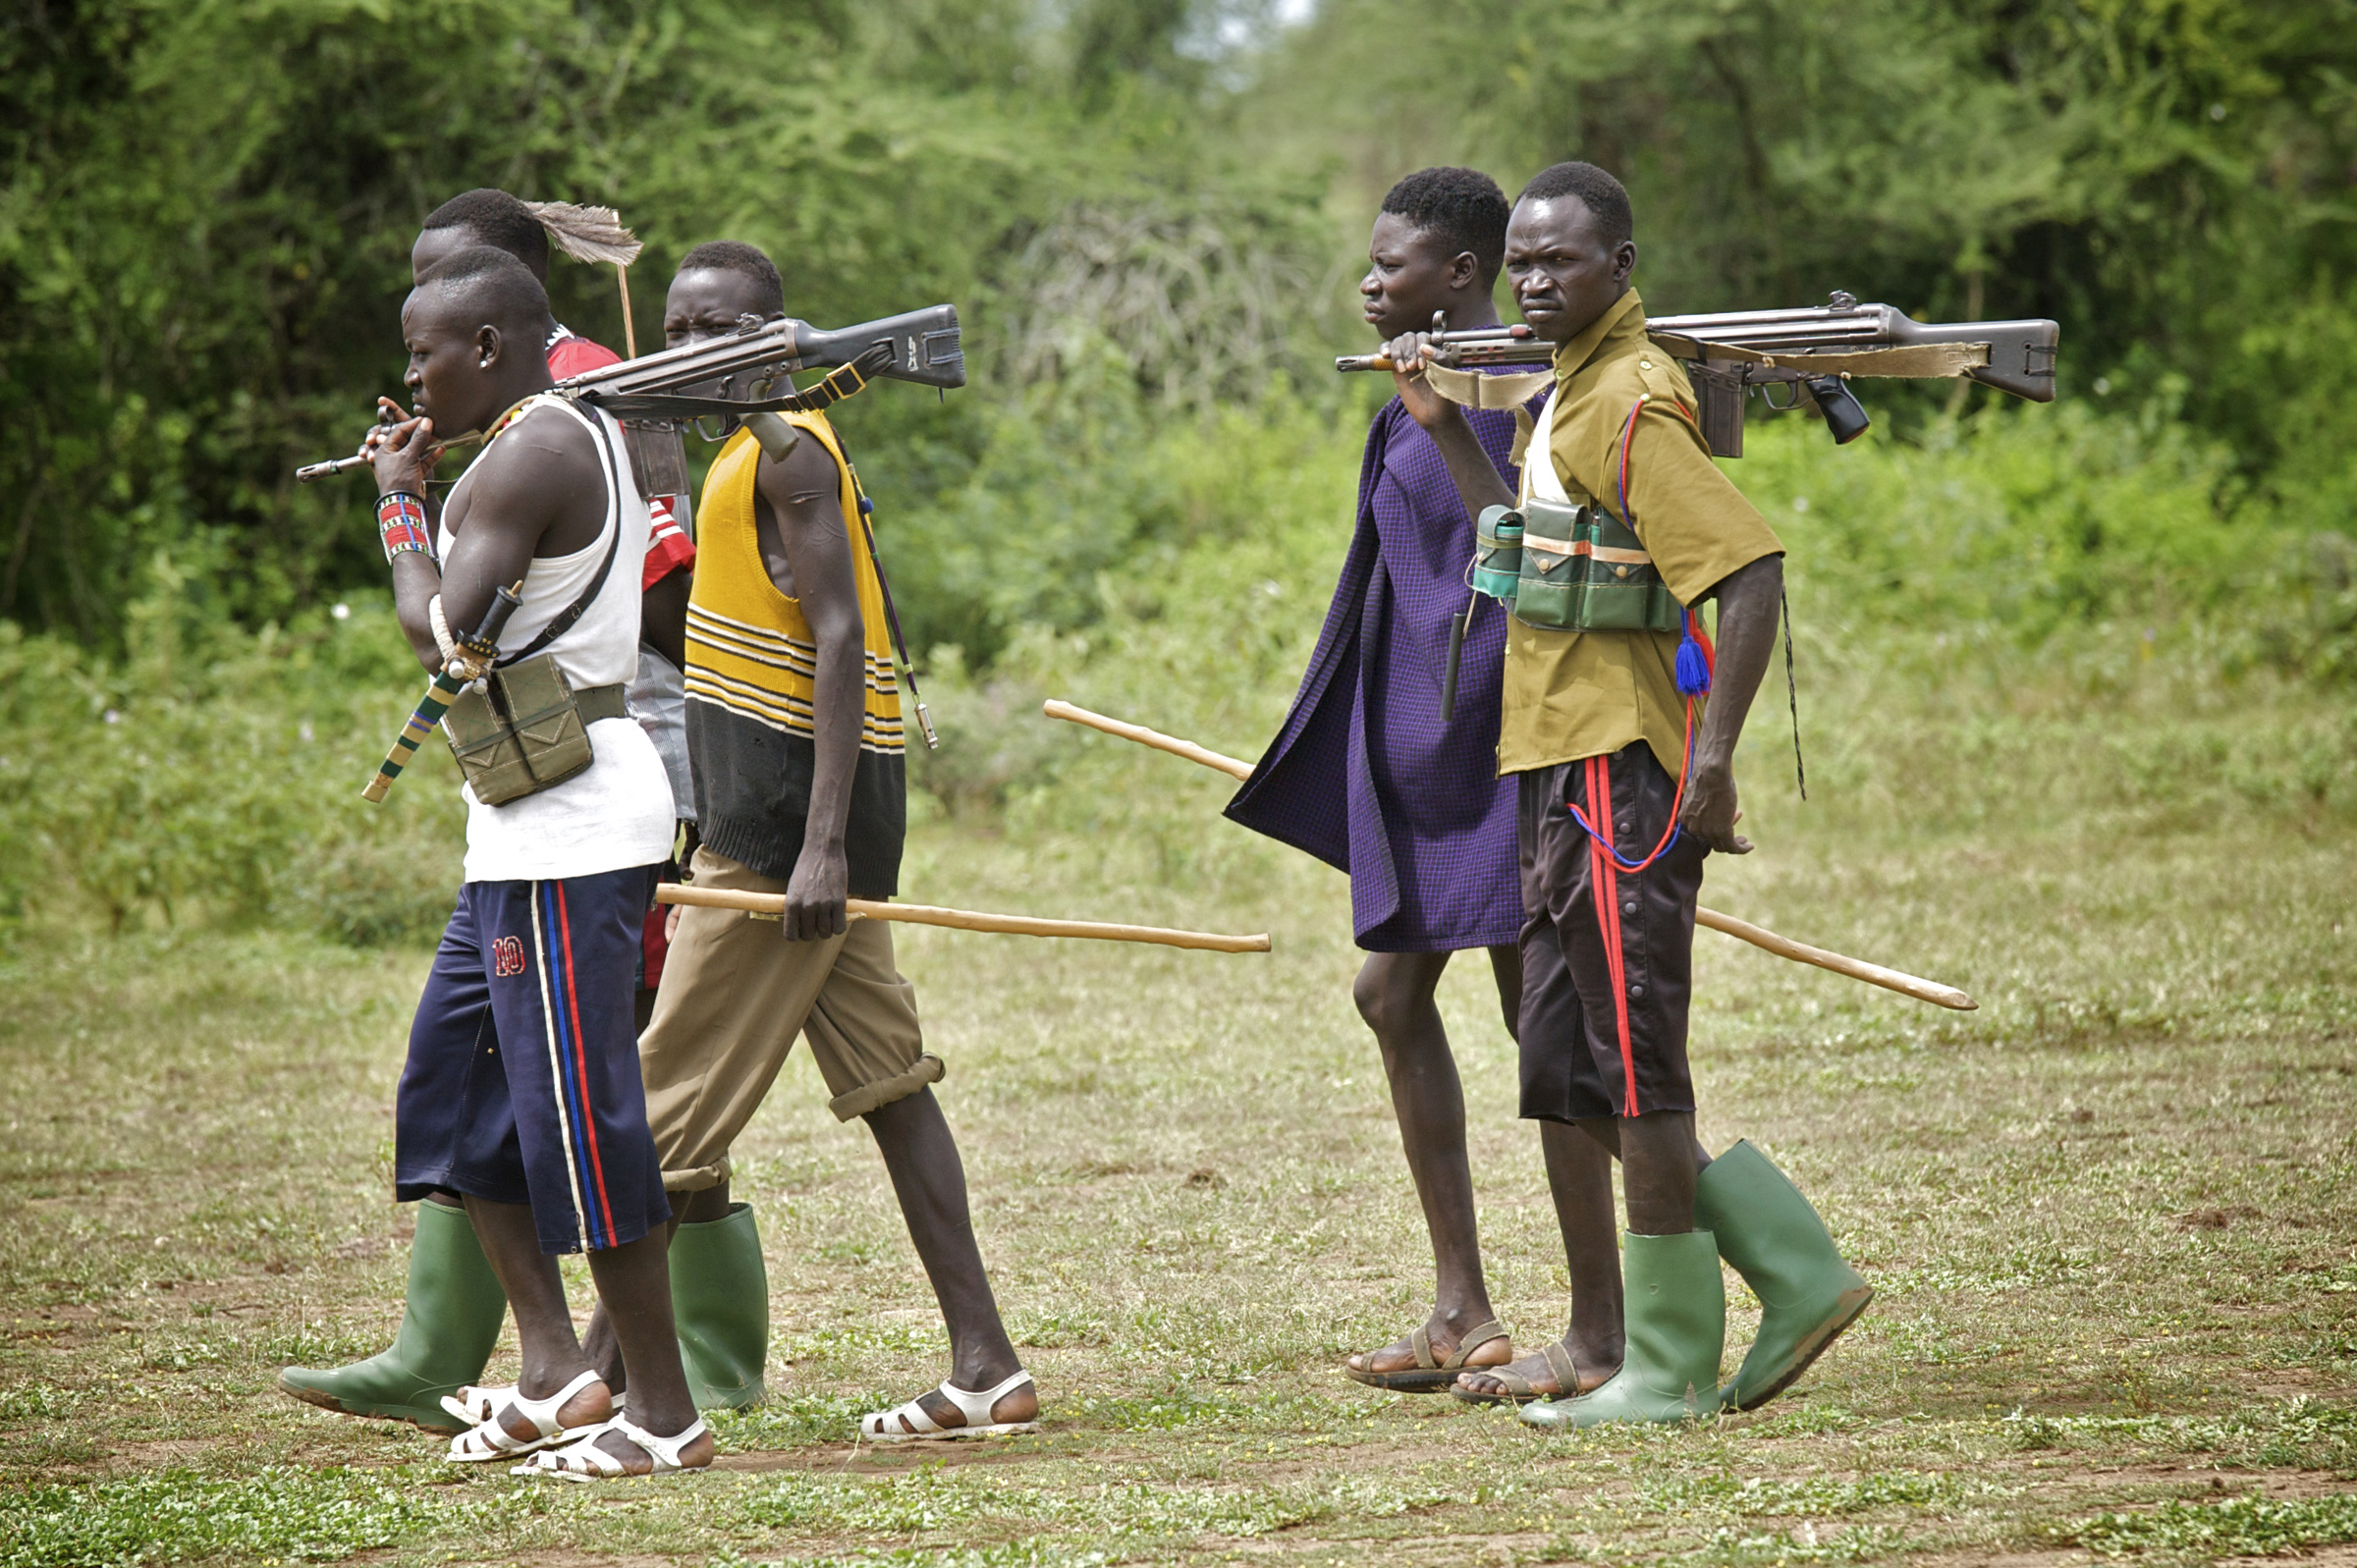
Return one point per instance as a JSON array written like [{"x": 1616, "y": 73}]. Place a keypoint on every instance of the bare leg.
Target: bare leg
[
  {"x": 634, "y": 1282},
  {"x": 598, "y": 1342},
  {"x": 1657, "y": 1171},
  {"x": 1606, "y": 1130},
  {"x": 552, "y": 1356},
  {"x": 929, "y": 1178},
  {"x": 1505, "y": 968},
  {"x": 1579, "y": 1176},
  {"x": 1395, "y": 994}
]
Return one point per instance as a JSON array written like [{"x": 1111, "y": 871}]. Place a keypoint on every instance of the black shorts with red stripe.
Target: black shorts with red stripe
[
  {"x": 1607, "y": 952},
  {"x": 522, "y": 1084}
]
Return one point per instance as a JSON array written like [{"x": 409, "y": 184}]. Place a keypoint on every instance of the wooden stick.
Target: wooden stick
[
  {"x": 1873, "y": 974},
  {"x": 1054, "y": 708},
  {"x": 630, "y": 333},
  {"x": 774, "y": 903}
]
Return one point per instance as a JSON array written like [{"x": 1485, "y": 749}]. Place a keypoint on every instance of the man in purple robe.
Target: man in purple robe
[{"x": 1368, "y": 776}]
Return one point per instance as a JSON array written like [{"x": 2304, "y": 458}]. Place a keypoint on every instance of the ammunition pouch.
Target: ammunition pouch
[
  {"x": 522, "y": 729},
  {"x": 1497, "y": 553},
  {"x": 1580, "y": 568}
]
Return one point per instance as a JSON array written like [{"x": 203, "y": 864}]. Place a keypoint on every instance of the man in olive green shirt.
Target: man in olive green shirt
[{"x": 1627, "y": 784}]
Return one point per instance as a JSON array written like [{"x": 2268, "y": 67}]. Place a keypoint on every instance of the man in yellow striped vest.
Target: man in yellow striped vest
[{"x": 794, "y": 731}]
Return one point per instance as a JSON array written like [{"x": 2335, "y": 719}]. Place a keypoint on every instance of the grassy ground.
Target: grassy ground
[{"x": 2109, "y": 1216}]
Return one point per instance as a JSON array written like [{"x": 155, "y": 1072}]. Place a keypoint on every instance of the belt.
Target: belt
[{"x": 593, "y": 703}]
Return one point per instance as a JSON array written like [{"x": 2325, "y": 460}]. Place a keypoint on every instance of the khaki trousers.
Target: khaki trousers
[{"x": 736, "y": 992}]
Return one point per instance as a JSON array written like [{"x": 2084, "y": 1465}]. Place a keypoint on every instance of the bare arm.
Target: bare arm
[
  {"x": 537, "y": 493},
  {"x": 663, "y": 618},
  {"x": 797, "y": 515},
  {"x": 1478, "y": 482},
  {"x": 1750, "y": 600}
]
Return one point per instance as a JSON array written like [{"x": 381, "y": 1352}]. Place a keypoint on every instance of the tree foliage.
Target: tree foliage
[
  {"x": 206, "y": 219},
  {"x": 1146, "y": 213},
  {"x": 2173, "y": 179}
]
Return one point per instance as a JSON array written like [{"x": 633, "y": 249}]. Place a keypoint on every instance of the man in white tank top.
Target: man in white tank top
[
  {"x": 453, "y": 1305},
  {"x": 522, "y": 1091}
]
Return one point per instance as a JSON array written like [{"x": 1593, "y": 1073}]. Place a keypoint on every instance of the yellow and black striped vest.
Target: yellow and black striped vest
[{"x": 751, "y": 661}]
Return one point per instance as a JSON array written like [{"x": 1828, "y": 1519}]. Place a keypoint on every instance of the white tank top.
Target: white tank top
[{"x": 618, "y": 812}]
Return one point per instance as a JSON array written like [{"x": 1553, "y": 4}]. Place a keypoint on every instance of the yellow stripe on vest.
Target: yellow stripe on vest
[{"x": 749, "y": 649}]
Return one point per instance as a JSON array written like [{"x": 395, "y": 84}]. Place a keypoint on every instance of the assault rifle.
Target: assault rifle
[
  {"x": 1814, "y": 349},
  {"x": 738, "y": 374}
]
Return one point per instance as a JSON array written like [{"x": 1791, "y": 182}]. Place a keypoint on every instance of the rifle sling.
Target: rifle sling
[
  {"x": 579, "y": 606},
  {"x": 1475, "y": 389}
]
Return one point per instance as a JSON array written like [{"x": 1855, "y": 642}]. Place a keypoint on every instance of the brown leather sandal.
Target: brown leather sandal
[
  {"x": 1428, "y": 1376},
  {"x": 1519, "y": 1390}
]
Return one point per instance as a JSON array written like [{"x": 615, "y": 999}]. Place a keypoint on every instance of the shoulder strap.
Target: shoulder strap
[{"x": 581, "y": 606}]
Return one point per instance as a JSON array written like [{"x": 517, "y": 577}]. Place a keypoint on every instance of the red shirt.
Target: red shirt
[
  {"x": 668, "y": 548},
  {"x": 570, "y": 355}
]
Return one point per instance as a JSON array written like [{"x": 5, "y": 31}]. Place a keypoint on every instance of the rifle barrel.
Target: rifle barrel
[
  {"x": 2021, "y": 353},
  {"x": 334, "y": 465},
  {"x": 925, "y": 346}
]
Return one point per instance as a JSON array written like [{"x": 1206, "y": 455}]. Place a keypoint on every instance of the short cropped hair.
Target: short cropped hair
[
  {"x": 1600, "y": 193},
  {"x": 1463, "y": 207},
  {"x": 497, "y": 219},
  {"x": 500, "y": 287},
  {"x": 746, "y": 262}
]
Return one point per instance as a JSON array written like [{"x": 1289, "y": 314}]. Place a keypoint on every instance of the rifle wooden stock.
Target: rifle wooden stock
[
  {"x": 1873, "y": 974},
  {"x": 774, "y": 903}
]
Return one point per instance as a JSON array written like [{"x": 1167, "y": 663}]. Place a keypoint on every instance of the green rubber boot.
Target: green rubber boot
[
  {"x": 1775, "y": 1240},
  {"x": 448, "y": 1326},
  {"x": 720, "y": 1301},
  {"x": 1676, "y": 1326}
]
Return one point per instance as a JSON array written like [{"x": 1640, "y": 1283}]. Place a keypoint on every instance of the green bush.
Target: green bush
[{"x": 213, "y": 774}]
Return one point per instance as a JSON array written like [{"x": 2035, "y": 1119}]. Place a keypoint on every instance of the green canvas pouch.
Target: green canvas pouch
[
  {"x": 520, "y": 731},
  {"x": 1625, "y": 591},
  {"x": 1584, "y": 570},
  {"x": 1497, "y": 553},
  {"x": 1547, "y": 590}
]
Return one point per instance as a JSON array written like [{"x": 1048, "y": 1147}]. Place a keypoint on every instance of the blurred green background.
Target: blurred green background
[{"x": 1151, "y": 214}]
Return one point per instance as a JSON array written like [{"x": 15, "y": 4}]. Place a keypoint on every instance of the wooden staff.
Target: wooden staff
[
  {"x": 774, "y": 903},
  {"x": 1873, "y": 974}
]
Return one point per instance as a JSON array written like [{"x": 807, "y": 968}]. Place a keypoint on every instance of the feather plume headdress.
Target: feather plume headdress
[{"x": 586, "y": 234}]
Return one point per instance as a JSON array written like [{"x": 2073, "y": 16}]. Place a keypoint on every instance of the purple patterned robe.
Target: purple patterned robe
[{"x": 1363, "y": 775}]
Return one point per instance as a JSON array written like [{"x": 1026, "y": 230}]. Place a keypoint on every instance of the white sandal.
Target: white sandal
[
  {"x": 487, "y": 1439},
  {"x": 584, "y": 1460},
  {"x": 475, "y": 1405},
  {"x": 911, "y": 1424}
]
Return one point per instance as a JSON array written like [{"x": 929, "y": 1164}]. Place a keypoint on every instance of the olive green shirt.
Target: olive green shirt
[{"x": 1574, "y": 695}]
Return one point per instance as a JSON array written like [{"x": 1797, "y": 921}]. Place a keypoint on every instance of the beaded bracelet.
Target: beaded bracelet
[{"x": 401, "y": 525}]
